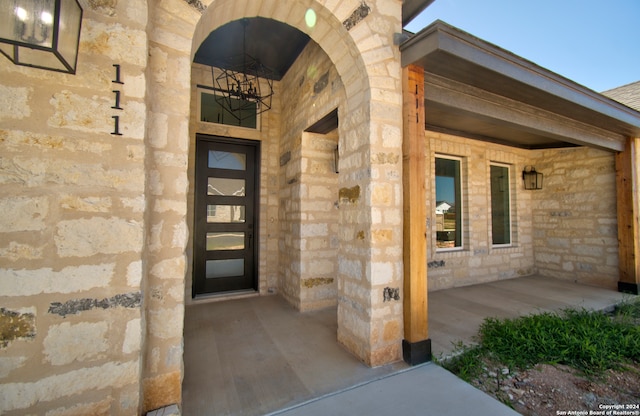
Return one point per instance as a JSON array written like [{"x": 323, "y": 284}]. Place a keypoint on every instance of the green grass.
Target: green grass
[{"x": 591, "y": 342}]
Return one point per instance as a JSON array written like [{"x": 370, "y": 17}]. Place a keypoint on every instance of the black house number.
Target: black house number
[{"x": 116, "y": 106}]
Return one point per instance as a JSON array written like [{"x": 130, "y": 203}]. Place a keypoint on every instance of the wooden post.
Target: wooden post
[
  {"x": 416, "y": 346},
  {"x": 628, "y": 202}
]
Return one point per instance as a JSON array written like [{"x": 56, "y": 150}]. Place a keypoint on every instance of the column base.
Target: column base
[
  {"x": 625, "y": 287},
  {"x": 415, "y": 353}
]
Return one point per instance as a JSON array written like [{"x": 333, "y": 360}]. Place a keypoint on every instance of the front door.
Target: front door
[{"x": 225, "y": 249}]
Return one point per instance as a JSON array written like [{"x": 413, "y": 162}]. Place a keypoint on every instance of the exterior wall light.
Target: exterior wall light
[
  {"x": 41, "y": 33},
  {"x": 336, "y": 159},
  {"x": 531, "y": 178}
]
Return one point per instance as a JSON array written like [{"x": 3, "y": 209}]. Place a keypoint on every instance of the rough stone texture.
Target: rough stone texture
[
  {"x": 112, "y": 375},
  {"x": 70, "y": 279},
  {"x": 574, "y": 216},
  {"x": 87, "y": 237},
  {"x": 160, "y": 388},
  {"x": 66, "y": 343},
  {"x": 478, "y": 261},
  {"x": 16, "y": 325},
  {"x": 71, "y": 307},
  {"x": 24, "y": 214}
]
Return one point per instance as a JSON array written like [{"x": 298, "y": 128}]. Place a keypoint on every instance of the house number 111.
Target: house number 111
[{"x": 116, "y": 106}]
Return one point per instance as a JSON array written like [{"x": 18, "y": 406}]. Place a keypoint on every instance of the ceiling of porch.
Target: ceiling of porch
[
  {"x": 274, "y": 44},
  {"x": 479, "y": 90}
]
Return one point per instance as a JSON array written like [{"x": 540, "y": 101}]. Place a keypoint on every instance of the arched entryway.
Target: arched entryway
[{"x": 366, "y": 214}]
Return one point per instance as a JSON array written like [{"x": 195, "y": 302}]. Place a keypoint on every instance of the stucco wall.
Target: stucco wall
[{"x": 73, "y": 229}]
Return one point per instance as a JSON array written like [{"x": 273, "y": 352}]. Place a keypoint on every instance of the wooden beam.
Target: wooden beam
[
  {"x": 628, "y": 202},
  {"x": 416, "y": 345}
]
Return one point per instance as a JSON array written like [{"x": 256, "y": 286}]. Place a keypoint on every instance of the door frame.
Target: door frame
[{"x": 255, "y": 249}]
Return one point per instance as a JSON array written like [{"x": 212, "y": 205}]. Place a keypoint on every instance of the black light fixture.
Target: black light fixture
[
  {"x": 336, "y": 159},
  {"x": 532, "y": 179},
  {"x": 41, "y": 33},
  {"x": 240, "y": 85}
]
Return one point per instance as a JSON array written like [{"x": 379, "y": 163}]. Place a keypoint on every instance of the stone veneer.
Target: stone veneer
[
  {"x": 95, "y": 252},
  {"x": 575, "y": 225},
  {"x": 95, "y": 233},
  {"x": 73, "y": 229}
]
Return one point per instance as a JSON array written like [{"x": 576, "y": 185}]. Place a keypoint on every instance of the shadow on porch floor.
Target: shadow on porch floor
[{"x": 256, "y": 355}]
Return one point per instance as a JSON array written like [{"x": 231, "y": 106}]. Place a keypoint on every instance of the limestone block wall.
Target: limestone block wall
[
  {"x": 308, "y": 182},
  {"x": 268, "y": 134},
  {"x": 72, "y": 230},
  {"x": 575, "y": 223},
  {"x": 478, "y": 261}
]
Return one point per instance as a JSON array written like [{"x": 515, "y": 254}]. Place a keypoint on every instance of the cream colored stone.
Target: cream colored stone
[
  {"x": 9, "y": 364},
  {"x": 158, "y": 130},
  {"x": 169, "y": 268},
  {"x": 16, "y": 251},
  {"x": 134, "y": 274},
  {"x": 87, "y": 237},
  {"x": 23, "y": 214},
  {"x": 166, "y": 323},
  {"x": 17, "y": 396},
  {"x": 102, "y": 407},
  {"x": 70, "y": 279},
  {"x": 132, "y": 336},
  {"x": 66, "y": 343},
  {"x": 85, "y": 204},
  {"x": 15, "y": 102},
  {"x": 119, "y": 43}
]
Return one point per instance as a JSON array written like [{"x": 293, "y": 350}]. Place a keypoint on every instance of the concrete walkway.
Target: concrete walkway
[
  {"x": 423, "y": 390},
  {"x": 258, "y": 355}
]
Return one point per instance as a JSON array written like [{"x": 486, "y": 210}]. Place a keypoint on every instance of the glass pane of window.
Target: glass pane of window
[
  {"x": 225, "y": 187},
  {"x": 229, "y": 111},
  {"x": 500, "y": 205},
  {"x": 448, "y": 204},
  {"x": 224, "y": 268},
  {"x": 225, "y": 241},
  {"x": 227, "y": 160},
  {"x": 225, "y": 213}
]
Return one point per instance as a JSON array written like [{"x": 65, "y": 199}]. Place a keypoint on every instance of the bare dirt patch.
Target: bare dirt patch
[{"x": 551, "y": 390}]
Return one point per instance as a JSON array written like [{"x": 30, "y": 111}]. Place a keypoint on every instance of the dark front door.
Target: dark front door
[{"x": 225, "y": 249}]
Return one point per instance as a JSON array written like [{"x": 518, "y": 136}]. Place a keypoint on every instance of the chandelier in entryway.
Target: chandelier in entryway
[{"x": 246, "y": 86}]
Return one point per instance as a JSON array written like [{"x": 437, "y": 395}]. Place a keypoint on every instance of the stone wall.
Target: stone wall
[
  {"x": 575, "y": 222},
  {"x": 308, "y": 182},
  {"x": 478, "y": 261},
  {"x": 73, "y": 227},
  {"x": 268, "y": 134}
]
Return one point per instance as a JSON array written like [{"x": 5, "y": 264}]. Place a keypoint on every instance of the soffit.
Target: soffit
[
  {"x": 446, "y": 52},
  {"x": 274, "y": 44}
]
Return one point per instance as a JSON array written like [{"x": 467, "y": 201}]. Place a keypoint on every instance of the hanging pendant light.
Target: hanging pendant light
[
  {"x": 41, "y": 33},
  {"x": 245, "y": 89}
]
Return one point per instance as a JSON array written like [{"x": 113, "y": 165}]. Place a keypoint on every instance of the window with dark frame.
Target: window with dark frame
[
  {"x": 500, "y": 205},
  {"x": 448, "y": 210}
]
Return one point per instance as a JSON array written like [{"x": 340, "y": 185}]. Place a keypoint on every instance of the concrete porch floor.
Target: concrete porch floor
[{"x": 257, "y": 355}]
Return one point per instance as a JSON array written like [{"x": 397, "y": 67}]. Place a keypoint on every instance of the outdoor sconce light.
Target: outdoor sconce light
[
  {"x": 41, "y": 33},
  {"x": 531, "y": 178},
  {"x": 336, "y": 159}
]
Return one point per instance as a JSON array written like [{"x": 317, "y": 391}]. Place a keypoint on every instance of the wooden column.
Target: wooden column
[
  {"x": 628, "y": 203},
  {"x": 416, "y": 346}
]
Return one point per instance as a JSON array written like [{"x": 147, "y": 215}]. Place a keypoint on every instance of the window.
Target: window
[
  {"x": 448, "y": 204},
  {"x": 500, "y": 205},
  {"x": 213, "y": 109}
]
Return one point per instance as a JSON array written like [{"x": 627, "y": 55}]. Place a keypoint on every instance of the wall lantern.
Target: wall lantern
[
  {"x": 336, "y": 159},
  {"x": 531, "y": 178},
  {"x": 41, "y": 33}
]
